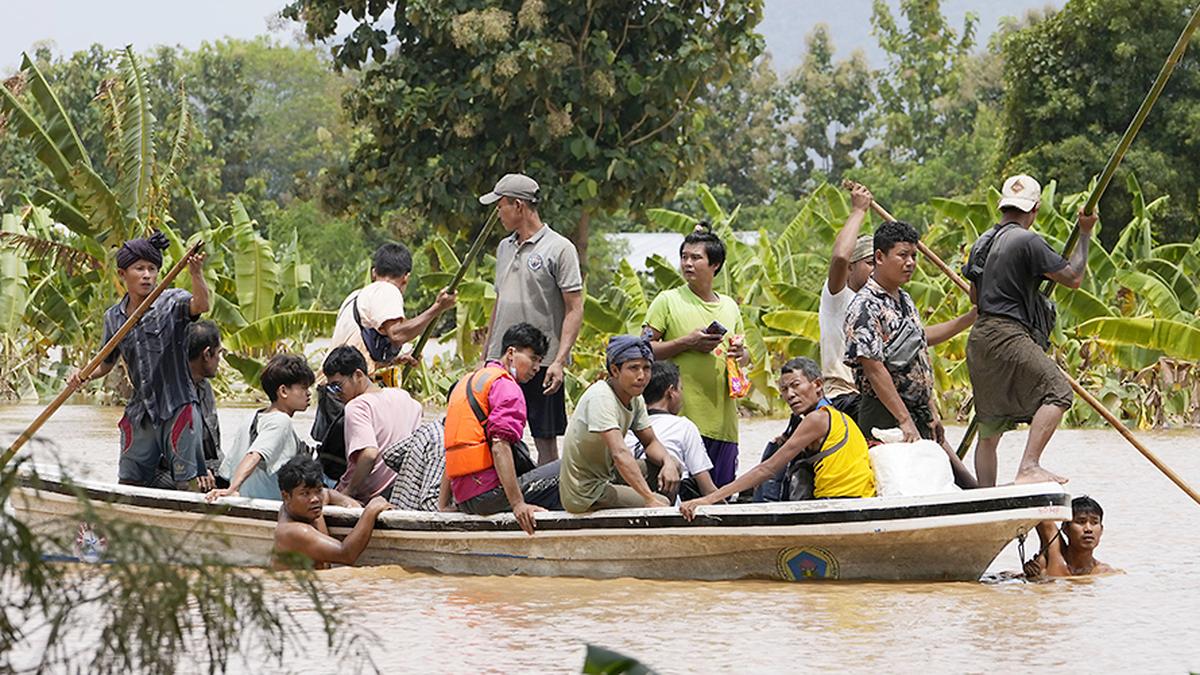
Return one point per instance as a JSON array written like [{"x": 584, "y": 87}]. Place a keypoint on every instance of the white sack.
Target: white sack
[{"x": 911, "y": 469}]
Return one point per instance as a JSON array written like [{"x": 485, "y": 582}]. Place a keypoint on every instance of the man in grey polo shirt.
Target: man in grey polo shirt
[{"x": 538, "y": 282}]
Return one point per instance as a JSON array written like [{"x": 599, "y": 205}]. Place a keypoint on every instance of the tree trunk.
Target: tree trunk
[{"x": 582, "y": 231}]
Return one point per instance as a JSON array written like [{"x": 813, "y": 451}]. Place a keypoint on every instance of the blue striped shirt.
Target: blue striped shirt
[{"x": 155, "y": 354}]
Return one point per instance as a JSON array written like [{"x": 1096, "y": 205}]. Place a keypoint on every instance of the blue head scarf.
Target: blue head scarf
[
  {"x": 149, "y": 249},
  {"x": 622, "y": 348}
]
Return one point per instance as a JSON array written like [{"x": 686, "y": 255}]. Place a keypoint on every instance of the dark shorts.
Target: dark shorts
[
  {"x": 547, "y": 414},
  {"x": 873, "y": 414},
  {"x": 724, "y": 456},
  {"x": 177, "y": 443},
  {"x": 1011, "y": 376}
]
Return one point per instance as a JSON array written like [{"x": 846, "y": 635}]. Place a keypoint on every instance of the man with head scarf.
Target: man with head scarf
[
  {"x": 596, "y": 460},
  {"x": 162, "y": 419}
]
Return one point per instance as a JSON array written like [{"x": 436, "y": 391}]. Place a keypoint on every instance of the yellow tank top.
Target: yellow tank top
[{"x": 845, "y": 472}]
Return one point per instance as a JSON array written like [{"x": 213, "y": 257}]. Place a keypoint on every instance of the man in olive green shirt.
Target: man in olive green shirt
[{"x": 594, "y": 445}]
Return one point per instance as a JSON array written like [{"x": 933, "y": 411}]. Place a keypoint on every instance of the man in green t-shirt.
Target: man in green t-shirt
[
  {"x": 594, "y": 451},
  {"x": 698, "y": 329}
]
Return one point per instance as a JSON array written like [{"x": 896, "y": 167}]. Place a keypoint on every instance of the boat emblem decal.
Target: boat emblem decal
[
  {"x": 809, "y": 562},
  {"x": 89, "y": 547}
]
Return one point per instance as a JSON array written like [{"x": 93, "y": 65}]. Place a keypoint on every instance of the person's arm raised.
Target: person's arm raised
[
  {"x": 813, "y": 427},
  {"x": 1071, "y": 276},
  {"x": 200, "y": 302},
  {"x": 843, "y": 245},
  {"x": 322, "y": 548}
]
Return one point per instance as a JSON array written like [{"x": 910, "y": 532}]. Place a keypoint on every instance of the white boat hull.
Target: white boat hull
[{"x": 952, "y": 537}]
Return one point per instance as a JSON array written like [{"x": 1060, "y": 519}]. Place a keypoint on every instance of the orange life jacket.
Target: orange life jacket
[{"x": 467, "y": 447}]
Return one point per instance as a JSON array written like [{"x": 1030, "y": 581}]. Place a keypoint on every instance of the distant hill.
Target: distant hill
[{"x": 786, "y": 23}]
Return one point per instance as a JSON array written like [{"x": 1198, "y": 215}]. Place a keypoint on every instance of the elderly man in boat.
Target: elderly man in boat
[
  {"x": 598, "y": 469},
  {"x": 827, "y": 446},
  {"x": 1068, "y": 549},
  {"x": 301, "y": 532}
]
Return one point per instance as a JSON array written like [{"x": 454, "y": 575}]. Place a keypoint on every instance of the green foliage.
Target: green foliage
[{"x": 599, "y": 102}]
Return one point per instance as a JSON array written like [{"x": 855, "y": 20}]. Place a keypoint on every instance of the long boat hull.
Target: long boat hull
[{"x": 950, "y": 537}]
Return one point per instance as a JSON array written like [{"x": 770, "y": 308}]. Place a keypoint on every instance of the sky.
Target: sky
[{"x": 75, "y": 24}]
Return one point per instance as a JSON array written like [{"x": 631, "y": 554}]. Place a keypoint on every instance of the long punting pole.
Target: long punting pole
[
  {"x": 99, "y": 358},
  {"x": 472, "y": 255}
]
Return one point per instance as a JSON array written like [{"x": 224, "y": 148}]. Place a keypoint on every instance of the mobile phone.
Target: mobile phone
[{"x": 715, "y": 328}]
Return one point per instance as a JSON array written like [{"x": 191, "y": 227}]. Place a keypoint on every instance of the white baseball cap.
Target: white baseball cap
[{"x": 1022, "y": 192}]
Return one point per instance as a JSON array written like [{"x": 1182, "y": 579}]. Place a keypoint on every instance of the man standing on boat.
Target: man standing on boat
[
  {"x": 694, "y": 326},
  {"x": 888, "y": 347},
  {"x": 850, "y": 266},
  {"x": 538, "y": 281},
  {"x": 1012, "y": 377},
  {"x": 162, "y": 419},
  {"x": 484, "y": 424}
]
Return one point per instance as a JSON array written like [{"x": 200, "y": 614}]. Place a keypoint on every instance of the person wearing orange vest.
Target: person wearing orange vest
[{"x": 484, "y": 424}]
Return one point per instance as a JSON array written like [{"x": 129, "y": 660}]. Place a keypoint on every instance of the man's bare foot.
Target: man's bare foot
[{"x": 1036, "y": 474}]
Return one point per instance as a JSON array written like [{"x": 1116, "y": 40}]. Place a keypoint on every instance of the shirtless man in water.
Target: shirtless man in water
[
  {"x": 1070, "y": 551},
  {"x": 301, "y": 530}
]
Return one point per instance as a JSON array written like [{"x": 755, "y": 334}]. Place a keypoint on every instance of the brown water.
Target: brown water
[{"x": 1147, "y": 620}]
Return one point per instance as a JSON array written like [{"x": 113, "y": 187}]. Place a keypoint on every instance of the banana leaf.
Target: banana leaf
[
  {"x": 601, "y": 318},
  {"x": 249, "y": 368},
  {"x": 22, "y": 120},
  {"x": 1173, "y": 338},
  {"x": 665, "y": 276},
  {"x": 1151, "y": 290},
  {"x": 14, "y": 280},
  {"x": 136, "y": 156},
  {"x": 265, "y": 333},
  {"x": 671, "y": 220},
  {"x": 795, "y": 322},
  {"x": 630, "y": 286},
  {"x": 255, "y": 269}
]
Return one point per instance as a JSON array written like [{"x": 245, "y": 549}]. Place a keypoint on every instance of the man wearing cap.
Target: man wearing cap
[
  {"x": 1013, "y": 378},
  {"x": 850, "y": 266},
  {"x": 538, "y": 281},
  {"x": 162, "y": 419},
  {"x": 598, "y": 470}
]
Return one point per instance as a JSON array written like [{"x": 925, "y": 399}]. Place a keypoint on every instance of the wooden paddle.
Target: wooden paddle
[
  {"x": 472, "y": 254},
  {"x": 99, "y": 358},
  {"x": 1083, "y": 393}
]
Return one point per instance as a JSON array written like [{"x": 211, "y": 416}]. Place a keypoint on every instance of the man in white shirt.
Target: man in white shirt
[
  {"x": 679, "y": 435},
  {"x": 850, "y": 266}
]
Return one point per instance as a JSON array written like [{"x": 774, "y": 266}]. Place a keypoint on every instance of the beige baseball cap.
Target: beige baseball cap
[
  {"x": 1022, "y": 192},
  {"x": 515, "y": 185}
]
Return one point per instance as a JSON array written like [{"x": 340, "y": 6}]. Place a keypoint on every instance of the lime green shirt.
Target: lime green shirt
[{"x": 703, "y": 379}]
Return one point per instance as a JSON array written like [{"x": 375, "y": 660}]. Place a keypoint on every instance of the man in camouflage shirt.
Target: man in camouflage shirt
[{"x": 887, "y": 347}]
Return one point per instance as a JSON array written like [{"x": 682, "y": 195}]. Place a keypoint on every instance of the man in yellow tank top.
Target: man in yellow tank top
[{"x": 826, "y": 437}]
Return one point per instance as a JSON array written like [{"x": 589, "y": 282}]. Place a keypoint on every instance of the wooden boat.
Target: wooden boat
[{"x": 949, "y": 537}]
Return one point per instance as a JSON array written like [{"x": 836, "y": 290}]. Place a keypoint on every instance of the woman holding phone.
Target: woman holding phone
[{"x": 691, "y": 325}]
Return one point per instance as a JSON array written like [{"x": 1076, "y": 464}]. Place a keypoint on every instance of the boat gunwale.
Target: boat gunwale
[{"x": 774, "y": 514}]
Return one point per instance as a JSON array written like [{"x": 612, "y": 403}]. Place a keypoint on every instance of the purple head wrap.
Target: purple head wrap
[
  {"x": 149, "y": 249},
  {"x": 622, "y": 348}
]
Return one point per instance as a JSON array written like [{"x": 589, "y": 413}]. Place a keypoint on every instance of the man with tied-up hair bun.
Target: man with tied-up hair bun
[{"x": 162, "y": 419}]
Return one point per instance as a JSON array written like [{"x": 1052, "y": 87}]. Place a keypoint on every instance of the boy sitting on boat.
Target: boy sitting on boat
[
  {"x": 1068, "y": 549},
  {"x": 302, "y": 533},
  {"x": 594, "y": 449},
  {"x": 269, "y": 441},
  {"x": 827, "y": 440},
  {"x": 486, "y": 417},
  {"x": 679, "y": 435}
]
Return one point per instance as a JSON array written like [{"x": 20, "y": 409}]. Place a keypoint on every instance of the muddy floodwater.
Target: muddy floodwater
[{"x": 1147, "y": 620}]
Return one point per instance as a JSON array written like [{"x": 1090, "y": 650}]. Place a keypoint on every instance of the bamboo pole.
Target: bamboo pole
[
  {"x": 99, "y": 358},
  {"x": 472, "y": 254},
  {"x": 1083, "y": 393}
]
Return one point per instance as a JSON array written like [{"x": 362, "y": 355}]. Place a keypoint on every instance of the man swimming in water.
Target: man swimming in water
[
  {"x": 1069, "y": 550},
  {"x": 301, "y": 530}
]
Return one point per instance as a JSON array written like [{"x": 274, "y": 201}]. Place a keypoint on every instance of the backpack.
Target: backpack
[
  {"x": 378, "y": 345},
  {"x": 522, "y": 461},
  {"x": 1043, "y": 313}
]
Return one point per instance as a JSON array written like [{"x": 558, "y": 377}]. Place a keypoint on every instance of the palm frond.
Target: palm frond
[
  {"x": 56, "y": 254},
  {"x": 57, "y": 122},
  {"x": 137, "y": 141}
]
